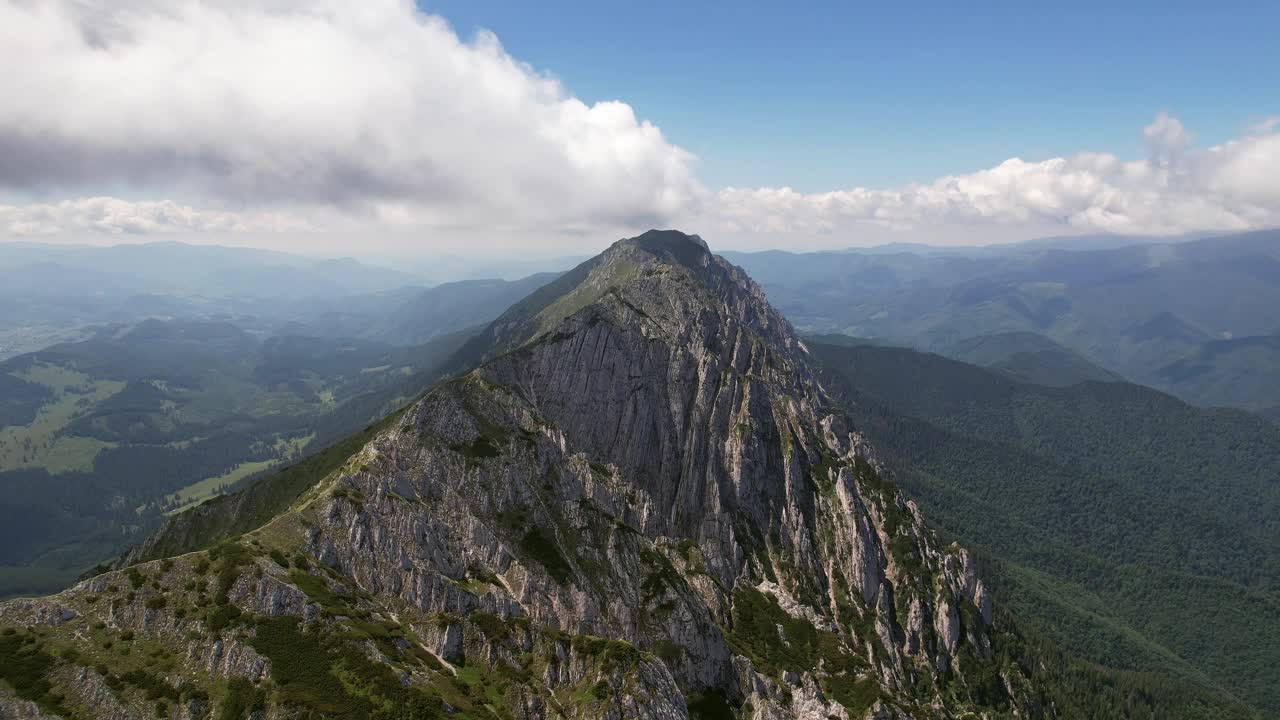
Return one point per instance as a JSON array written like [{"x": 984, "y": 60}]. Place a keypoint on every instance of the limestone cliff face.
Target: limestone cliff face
[{"x": 640, "y": 504}]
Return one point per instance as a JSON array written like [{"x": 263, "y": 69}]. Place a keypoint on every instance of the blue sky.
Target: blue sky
[{"x": 821, "y": 96}]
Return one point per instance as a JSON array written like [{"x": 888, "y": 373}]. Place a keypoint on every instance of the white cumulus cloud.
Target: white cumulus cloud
[
  {"x": 1176, "y": 189},
  {"x": 370, "y": 106},
  {"x": 374, "y": 122}
]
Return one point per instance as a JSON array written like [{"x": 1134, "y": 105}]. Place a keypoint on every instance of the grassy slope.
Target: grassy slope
[
  {"x": 41, "y": 443},
  {"x": 202, "y": 490},
  {"x": 226, "y": 516}
]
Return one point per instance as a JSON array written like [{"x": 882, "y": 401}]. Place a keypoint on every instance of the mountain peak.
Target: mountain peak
[
  {"x": 670, "y": 244},
  {"x": 662, "y": 280}
]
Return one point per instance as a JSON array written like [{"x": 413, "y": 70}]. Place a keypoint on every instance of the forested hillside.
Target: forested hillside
[
  {"x": 1029, "y": 357},
  {"x": 1134, "y": 529},
  {"x": 101, "y": 439}
]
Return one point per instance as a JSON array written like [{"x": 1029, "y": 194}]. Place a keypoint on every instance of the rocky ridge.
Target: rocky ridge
[{"x": 640, "y": 504}]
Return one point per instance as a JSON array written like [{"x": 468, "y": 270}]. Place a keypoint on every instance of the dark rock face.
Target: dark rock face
[{"x": 640, "y": 505}]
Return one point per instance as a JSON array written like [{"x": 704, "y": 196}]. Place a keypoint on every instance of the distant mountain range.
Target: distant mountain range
[
  {"x": 413, "y": 316},
  {"x": 1030, "y": 358},
  {"x": 180, "y": 269},
  {"x": 1242, "y": 372},
  {"x": 55, "y": 293},
  {"x": 52, "y": 293},
  {"x": 1196, "y": 318},
  {"x": 1192, "y": 316}
]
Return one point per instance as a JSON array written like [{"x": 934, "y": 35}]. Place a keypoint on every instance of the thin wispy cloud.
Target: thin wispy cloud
[{"x": 113, "y": 216}]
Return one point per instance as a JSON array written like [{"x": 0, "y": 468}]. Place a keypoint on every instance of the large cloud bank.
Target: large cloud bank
[
  {"x": 231, "y": 116},
  {"x": 1235, "y": 186},
  {"x": 370, "y": 107}
]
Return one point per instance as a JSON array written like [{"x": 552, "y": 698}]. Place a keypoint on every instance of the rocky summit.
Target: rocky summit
[{"x": 637, "y": 502}]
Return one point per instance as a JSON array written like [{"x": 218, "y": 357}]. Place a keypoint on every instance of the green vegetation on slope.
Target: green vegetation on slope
[
  {"x": 498, "y": 336},
  {"x": 230, "y": 515},
  {"x": 1244, "y": 372},
  {"x": 1031, "y": 358},
  {"x": 101, "y": 439},
  {"x": 1130, "y": 527},
  {"x": 1073, "y": 688}
]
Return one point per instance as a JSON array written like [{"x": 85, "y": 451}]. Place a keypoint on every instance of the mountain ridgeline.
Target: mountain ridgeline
[
  {"x": 634, "y": 500},
  {"x": 1195, "y": 318}
]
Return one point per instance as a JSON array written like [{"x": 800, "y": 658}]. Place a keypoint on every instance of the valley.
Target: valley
[{"x": 103, "y": 438}]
